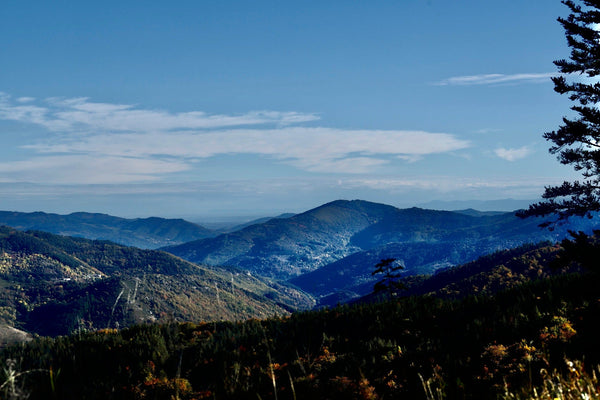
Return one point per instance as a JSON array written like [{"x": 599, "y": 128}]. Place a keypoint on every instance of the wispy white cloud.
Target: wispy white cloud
[
  {"x": 87, "y": 169},
  {"x": 509, "y": 185},
  {"x": 23, "y": 112},
  {"x": 80, "y": 114},
  {"x": 126, "y": 143},
  {"x": 311, "y": 149},
  {"x": 353, "y": 165},
  {"x": 513, "y": 154},
  {"x": 491, "y": 79},
  {"x": 484, "y": 131}
]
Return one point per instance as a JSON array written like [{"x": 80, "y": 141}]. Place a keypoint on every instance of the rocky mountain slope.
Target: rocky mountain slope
[{"x": 146, "y": 233}]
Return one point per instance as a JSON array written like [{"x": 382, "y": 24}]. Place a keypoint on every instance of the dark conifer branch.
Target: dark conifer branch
[{"x": 577, "y": 141}]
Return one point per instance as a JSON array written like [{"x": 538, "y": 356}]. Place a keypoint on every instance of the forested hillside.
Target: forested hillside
[
  {"x": 333, "y": 247},
  {"x": 54, "y": 285}
]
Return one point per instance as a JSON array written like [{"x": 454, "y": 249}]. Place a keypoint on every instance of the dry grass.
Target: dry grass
[{"x": 575, "y": 384}]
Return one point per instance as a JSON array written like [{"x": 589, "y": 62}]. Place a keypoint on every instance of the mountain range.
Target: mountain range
[
  {"x": 334, "y": 247},
  {"x": 327, "y": 253},
  {"x": 145, "y": 233}
]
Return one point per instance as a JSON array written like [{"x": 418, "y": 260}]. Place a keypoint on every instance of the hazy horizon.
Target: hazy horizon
[{"x": 223, "y": 218}]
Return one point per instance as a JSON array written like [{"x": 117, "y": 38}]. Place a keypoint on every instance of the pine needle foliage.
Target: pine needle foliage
[{"x": 577, "y": 141}]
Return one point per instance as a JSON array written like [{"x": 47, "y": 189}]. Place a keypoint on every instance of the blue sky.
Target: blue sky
[{"x": 199, "y": 108}]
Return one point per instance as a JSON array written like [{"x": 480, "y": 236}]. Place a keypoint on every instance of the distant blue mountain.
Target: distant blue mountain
[
  {"x": 145, "y": 233},
  {"x": 364, "y": 232},
  {"x": 481, "y": 205}
]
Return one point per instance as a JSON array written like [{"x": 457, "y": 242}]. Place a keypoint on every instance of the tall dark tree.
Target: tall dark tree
[
  {"x": 577, "y": 141},
  {"x": 390, "y": 283}
]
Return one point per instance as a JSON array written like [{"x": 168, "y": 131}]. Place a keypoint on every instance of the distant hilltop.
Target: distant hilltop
[
  {"x": 145, "y": 233},
  {"x": 479, "y": 205}
]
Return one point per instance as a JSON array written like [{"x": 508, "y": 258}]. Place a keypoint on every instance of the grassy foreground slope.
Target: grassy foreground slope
[{"x": 473, "y": 347}]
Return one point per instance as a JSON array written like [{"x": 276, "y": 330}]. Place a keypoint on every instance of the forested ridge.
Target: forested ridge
[
  {"x": 146, "y": 233},
  {"x": 55, "y": 285}
]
